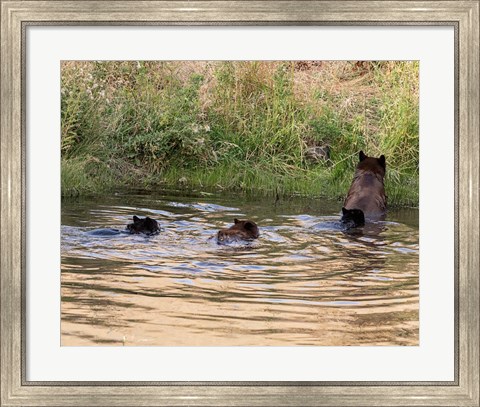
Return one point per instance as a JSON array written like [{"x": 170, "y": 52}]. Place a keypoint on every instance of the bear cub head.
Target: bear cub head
[
  {"x": 146, "y": 225},
  {"x": 240, "y": 230},
  {"x": 352, "y": 218}
]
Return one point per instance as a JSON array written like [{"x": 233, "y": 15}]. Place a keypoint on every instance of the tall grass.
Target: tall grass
[{"x": 246, "y": 126}]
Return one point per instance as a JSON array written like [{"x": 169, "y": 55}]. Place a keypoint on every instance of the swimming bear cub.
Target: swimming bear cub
[
  {"x": 147, "y": 226},
  {"x": 240, "y": 230},
  {"x": 367, "y": 191},
  {"x": 352, "y": 218}
]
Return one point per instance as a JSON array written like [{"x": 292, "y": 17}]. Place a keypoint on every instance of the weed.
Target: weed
[{"x": 244, "y": 126}]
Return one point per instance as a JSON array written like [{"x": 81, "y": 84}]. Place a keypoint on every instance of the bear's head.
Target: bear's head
[
  {"x": 353, "y": 218},
  {"x": 146, "y": 225},
  {"x": 240, "y": 230},
  {"x": 248, "y": 226},
  {"x": 376, "y": 165}
]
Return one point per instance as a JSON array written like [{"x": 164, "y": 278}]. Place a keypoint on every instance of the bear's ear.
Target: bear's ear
[
  {"x": 362, "y": 156},
  {"x": 147, "y": 218},
  {"x": 236, "y": 221},
  {"x": 381, "y": 160},
  {"x": 136, "y": 218},
  {"x": 344, "y": 210}
]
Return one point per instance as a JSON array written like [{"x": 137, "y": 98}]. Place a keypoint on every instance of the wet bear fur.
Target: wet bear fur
[
  {"x": 240, "y": 230},
  {"x": 367, "y": 191},
  {"x": 352, "y": 218},
  {"x": 147, "y": 226}
]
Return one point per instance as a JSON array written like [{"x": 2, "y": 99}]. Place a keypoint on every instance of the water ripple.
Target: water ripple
[{"x": 181, "y": 288}]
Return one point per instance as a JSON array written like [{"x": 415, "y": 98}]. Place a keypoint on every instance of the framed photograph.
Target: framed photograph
[{"x": 239, "y": 203}]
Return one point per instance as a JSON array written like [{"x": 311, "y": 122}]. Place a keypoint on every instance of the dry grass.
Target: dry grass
[{"x": 250, "y": 121}]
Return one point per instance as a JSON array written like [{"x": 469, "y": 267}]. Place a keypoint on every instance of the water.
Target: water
[{"x": 303, "y": 282}]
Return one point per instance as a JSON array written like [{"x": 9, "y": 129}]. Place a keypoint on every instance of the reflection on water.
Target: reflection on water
[{"x": 303, "y": 282}]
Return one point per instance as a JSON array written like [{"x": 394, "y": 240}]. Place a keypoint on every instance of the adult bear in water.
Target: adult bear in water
[
  {"x": 367, "y": 191},
  {"x": 240, "y": 230}
]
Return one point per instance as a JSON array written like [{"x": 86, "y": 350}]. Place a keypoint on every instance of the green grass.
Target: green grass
[{"x": 240, "y": 126}]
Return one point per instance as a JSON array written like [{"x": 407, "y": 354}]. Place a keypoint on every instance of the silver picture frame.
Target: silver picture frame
[{"x": 16, "y": 16}]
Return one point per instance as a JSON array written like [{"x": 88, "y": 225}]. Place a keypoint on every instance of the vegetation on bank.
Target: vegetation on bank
[{"x": 243, "y": 126}]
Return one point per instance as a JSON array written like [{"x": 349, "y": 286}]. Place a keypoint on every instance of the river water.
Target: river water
[{"x": 305, "y": 281}]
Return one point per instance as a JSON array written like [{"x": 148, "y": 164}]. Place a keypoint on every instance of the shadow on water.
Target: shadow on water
[{"x": 305, "y": 281}]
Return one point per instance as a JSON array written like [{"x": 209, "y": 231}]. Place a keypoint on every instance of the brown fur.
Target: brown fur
[
  {"x": 241, "y": 230},
  {"x": 367, "y": 191}
]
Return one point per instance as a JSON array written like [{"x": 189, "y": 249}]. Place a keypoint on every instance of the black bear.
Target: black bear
[
  {"x": 240, "y": 230},
  {"x": 367, "y": 191},
  {"x": 352, "y": 218},
  {"x": 147, "y": 226}
]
